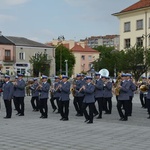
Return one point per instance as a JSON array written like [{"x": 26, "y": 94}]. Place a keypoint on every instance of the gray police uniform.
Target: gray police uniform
[
  {"x": 8, "y": 89},
  {"x": 89, "y": 101},
  {"x": 20, "y": 94}
]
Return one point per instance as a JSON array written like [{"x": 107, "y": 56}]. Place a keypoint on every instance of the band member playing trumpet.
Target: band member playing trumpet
[
  {"x": 99, "y": 94},
  {"x": 20, "y": 94},
  {"x": 78, "y": 96},
  {"x": 142, "y": 94},
  {"x": 44, "y": 93},
  {"x": 14, "y": 93},
  {"x": 35, "y": 95},
  {"x": 56, "y": 94},
  {"x": 107, "y": 95},
  {"x": 123, "y": 98},
  {"x": 88, "y": 100},
  {"x": 64, "y": 98}
]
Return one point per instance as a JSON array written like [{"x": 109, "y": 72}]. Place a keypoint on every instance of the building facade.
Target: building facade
[
  {"x": 135, "y": 25},
  {"x": 17, "y": 51}
]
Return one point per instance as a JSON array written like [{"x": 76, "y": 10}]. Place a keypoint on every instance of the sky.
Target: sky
[{"x": 45, "y": 20}]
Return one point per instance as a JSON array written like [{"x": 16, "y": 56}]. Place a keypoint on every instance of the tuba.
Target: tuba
[
  {"x": 116, "y": 85},
  {"x": 144, "y": 88},
  {"x": 104, "y": 72}
]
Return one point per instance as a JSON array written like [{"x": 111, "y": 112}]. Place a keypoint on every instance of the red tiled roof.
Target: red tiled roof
[
  {"x": 138, "y": 5},
  {"x": 79, "y": 48}
]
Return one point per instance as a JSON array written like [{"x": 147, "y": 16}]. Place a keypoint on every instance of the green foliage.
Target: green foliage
[
  {"x": 41, "y": 64},
  {"x": 61, "y": 54}
]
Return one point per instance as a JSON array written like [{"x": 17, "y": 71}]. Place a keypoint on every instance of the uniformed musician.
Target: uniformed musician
[
  {"x": 88, "y": 100},
  {"x": 148, "y": 98},
  {"x": 14, "y": 93},
  {"x": 8, "y": 89},
  {"x": 64, "y": 98},
  {"x": 20, "y": 94},
  {"x": 44, "y": 94},
  {"x": 35, "y": 95}
]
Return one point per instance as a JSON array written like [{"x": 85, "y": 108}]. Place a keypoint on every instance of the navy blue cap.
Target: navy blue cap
[
  {"x": 44, "y": 77},
  {"x": 88, "y": 77},
  {"x": 97, "y": 74},
  {"x": 16, "y": 77},
  {"x": 35, "y": 79},
  {"x": 7, "y": 76},
  {"x": 64, "y": 76},
  {"x": 57, "y": 77},
  {"x": 20, "y": 74},
  {"x": 128, "y": 75},
  {"x": 78, "y": 75},
  {"x": 82, "y": 75},
  {"x": 103, "y": 76},
  {"x": 123, "y": 75},
  {"x": 143, "y": 77},
  {"x": 149, "y": 77}
]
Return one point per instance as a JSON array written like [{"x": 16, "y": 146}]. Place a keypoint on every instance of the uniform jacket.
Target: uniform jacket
[
  {"x": 89, "y": 93},
  {"x": 108, "y": 90},
  {"x": 79, "y": 84},
  {"x": 35, "y": 91},
  {"x": 44, "y": 91},
  {"x": 57, "y": 90},
  {"x": 148, "y": 93},
  {"x": 124, "y": 91},
  {"x": 99, "y": 87},
  {"x": 132, "y": 88},
  {"x": 8, "y": 89},
  {"x": 65, "y": 91},
  {"x": 20, "y": 88}
]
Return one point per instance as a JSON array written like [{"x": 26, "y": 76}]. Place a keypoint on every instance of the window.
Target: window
[
  {"x": 139, "y": 42},
  {"x": 139, "y": 24},
  {"x": 127, "y": 43},
  {"x": 90, "y": 57},
  {"x": 7, "y": 53},
  {"x": 21, "y": 56},
  {"x": 83, "y": 57},
  {"x": 127, "y": 27}
]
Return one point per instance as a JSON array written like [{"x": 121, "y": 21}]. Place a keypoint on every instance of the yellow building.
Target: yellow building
[{"x": 135, "y": 25}]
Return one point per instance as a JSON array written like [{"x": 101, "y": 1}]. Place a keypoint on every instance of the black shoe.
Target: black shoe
[
  {"x": 124, "y": 119},
  {"x": 44, "y": 117},
  {"x": 129, "y": 115},
  {"x": 121, "y": 119},
  {"x": 95, "y": 114},
  {"x": 148, "y": 117},
  {"x": 61, "y": 118},
  {"x": 7, "y": 117},
  {"x": 89, "y": 122},
  {"x": 54, "y": 109},
  {"x": 18, "y": 114},
  {"x": 21, "y": 115},
  {"x": 86, "y": 120},
  {"x": 65, "y": 119},
  {"x": 41, "y": 116},
  {"x": 99, "y": 117},
  {"x": 79, "y": 115}
]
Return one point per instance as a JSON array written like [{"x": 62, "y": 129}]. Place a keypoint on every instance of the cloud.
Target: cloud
[
  {"x": 6, "y": 18},
  {"x": 15, "y": 2}
]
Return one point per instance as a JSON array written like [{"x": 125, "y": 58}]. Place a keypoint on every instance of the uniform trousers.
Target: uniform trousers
[
  {"x": 125, "y": 105},
  {"x": 143, "y": 100},
  {"x": 8, "y": 108},
  {"x": 88, "y": 116},
  {"x": 20, "y": 105},
  {"x": 130, "y": 105},
  {"x": 43, "y": 107},
  {"x": 78, "y": 104},
  {"x": 52, "y": 101},
  {"x": 35, "y": 102},
  {"x": 108, "y": 104},
  {"x": 15, "y": 102},
  {"x": 100, "y": 105},
  {"x": 64, "y": 109},
  {"x": 148, "y": 106}
]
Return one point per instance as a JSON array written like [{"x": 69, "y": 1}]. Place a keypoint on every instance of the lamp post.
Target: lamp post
[
  {"x": 66, "y": 61},
  {"x": 60, "y": 40}
]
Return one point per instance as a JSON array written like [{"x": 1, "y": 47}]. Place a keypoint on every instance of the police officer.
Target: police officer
[
  {"x": 64, "y": 98},
  {"x": 78, "y": 96},
  {"x": 107, "y": 95},
  {"x": 44, "y": 94},
  {"x": 20, "y": 94},
  {"x": 123, "y": 98},
  {"x": 148, "y": 98},
  {"x": 14, "y": 94},
  {"x": 99, "y": 86},
  {"x": 35, "y": 95},
  {"x": 55, "y": 94},
  {"x": 88, "y": 100},
  {"x": 7, "y": 96},
  {"x": 131, "y": 92}
]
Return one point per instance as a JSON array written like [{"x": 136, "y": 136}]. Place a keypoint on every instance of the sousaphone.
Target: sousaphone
[{"x": 104, "y": 72}]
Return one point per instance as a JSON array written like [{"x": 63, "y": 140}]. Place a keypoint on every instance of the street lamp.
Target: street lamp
[
  {"x": 60, "y": 39},
  {"x": 66, "y": 61}
]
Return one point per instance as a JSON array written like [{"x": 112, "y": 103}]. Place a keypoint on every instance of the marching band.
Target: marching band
[{"x": 88, "y": 92}]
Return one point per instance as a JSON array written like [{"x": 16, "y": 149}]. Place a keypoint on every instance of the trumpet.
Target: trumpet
[
  {"x": 39, "y": 86},
  {"x": 82, "y": 88}
]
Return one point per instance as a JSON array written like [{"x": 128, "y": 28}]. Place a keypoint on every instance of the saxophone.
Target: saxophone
[{"x": 116, "y": 86}]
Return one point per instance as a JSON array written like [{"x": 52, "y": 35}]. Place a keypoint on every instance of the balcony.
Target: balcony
[{"x": 8, "y": 59}]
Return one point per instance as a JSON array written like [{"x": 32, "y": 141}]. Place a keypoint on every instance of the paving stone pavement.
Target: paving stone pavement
[{"x": 29, "y": 132}]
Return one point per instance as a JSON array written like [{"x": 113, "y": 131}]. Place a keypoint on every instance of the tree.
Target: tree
[
  {"x": 41, "y": 64},
  {"x": 61, "y": 54}
]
